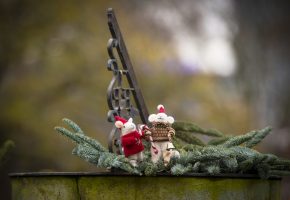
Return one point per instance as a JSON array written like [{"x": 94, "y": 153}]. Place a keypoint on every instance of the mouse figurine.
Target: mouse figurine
[
  {"x": 130, "y": 140},
  {"x": 160, "y": 135}
]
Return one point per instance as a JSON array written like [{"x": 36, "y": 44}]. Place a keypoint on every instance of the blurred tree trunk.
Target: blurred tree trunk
[{"x": 263, "y": 45}]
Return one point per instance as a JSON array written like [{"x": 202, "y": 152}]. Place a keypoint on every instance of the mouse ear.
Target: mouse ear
[
  {"x": 119, "y": 124},
  {"x": 152, "y": 117},
  {"x": 170, "y": 120}
]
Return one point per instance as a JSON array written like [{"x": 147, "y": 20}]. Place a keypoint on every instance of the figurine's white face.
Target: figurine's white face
[
  {"x": 161, "y": 117},
  {"x": 126, "y": 128}
]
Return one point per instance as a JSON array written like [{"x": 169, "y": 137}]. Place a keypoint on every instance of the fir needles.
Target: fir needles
[{"x": 222, "y": 154}]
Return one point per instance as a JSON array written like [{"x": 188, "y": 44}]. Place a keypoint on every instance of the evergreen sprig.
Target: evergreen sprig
[
  {"x": 193, "y": 128},
  {"x": 238, "y": 140},
  {"x": 258, "y": 137},
  {"x": 189, "y": 138},
  {"x": 5, "y": 148},
  {"x": 92, "y": 151},
  {"x": 223, "y": 154}
]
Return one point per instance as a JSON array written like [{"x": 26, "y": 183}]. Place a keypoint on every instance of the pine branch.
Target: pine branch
[
  {"x": 280, "y": 167},
  {"x": 178, "y": 143},
  {"x": 87, "y": 153},
  {"x": 179, "y": 169},
  {"x": 258, "y": 137},
  {"x": 187, "y": 157},
  {"x": 245, "y": 165},
  {"x": 230, "y": 163},
  {"x": 258, "y": 159},
  {"x": 238, "y": 140},
  {"x": 81, "y": 138},
  {"x": 244, "y": 153},
  {"x": 218, "y": 141},
  {"x": 282, "y": 162},
  {"x": 68, "y": 134},
  {"x": 189, "y": 138},
  {"x": 206, "y": 157},
  {"x": 6, "y": 147},
  {"x": 92, "y": 151},
  {"x": 191, "y": 147},
  {"x": 150, "y": 169},
  {"x": 193, "y": 128},
  {"x": 211, "y": 168},
  {"x": 279, "y": 173},
  {"x": 226, "y": 156},
  {"x": 263, "y": 170},
  {"x": 73, "y": 126},
  {"x": 196, "y": 167},
  {"x": 270, "y": 158}
]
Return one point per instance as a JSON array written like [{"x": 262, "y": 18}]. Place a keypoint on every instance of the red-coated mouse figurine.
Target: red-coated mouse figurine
[{"x": 130, "y": 140}]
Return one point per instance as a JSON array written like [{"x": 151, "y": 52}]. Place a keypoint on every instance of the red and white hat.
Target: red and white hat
[
  {"x": 118, "y": 118},
  {"x": 161, "y": 108}
]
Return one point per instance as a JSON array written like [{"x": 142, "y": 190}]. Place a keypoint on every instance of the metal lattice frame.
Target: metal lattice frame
[{"x": 118, "y": 96}]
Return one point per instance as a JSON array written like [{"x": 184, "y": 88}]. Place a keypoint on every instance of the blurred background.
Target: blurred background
[{"x": 221, "y": 64}]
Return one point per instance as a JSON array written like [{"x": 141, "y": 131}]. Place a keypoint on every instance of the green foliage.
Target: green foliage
[
  {"x": 229, "y": 155},
  {"x": 238, "y": 140},
  {"x": 193, "y": 128},
  {"x": 73, "y": 126},
  {"x": 179, "y": 169},
  {"x": 78, "y": 136},
  {"x": 258, "y": 137},
  {"x": 6, "y": 147},
  {"x": 220, "y": 140},
  {"x": 189, "y": 138},
  {"x": 92, "y": 151},
  {"x": 212, "y": 168}
]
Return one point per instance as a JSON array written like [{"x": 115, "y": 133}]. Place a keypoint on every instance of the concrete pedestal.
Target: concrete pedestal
[{"x": 107, "y": 186}]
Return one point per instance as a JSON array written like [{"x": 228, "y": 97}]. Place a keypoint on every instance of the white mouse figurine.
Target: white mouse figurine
[
  {"x": 161, "y": 133},
  {"x": 130, "y": 140}
]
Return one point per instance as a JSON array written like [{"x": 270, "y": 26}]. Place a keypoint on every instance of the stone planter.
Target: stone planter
[{"x": 92, "y": 186}]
